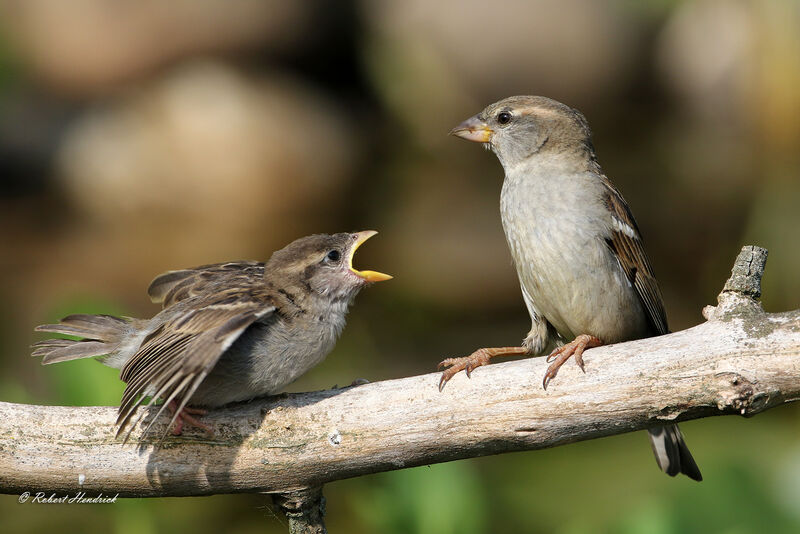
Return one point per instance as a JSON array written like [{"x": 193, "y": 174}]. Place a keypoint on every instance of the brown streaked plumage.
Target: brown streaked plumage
[
  {"x": 583, "y": 271},
  {"x": 227, "y": 332},
  {"x": 172, "y": 286}
]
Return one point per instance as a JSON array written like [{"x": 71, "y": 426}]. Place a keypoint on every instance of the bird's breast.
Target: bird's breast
[{"x": 555, "y": 234}]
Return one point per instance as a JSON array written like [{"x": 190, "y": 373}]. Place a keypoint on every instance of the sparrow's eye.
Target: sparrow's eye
[
  {"x": 333, "y": 255},
  {"x": 504, "y": 117}
]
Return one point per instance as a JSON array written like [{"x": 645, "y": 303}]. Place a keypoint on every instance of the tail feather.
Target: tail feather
[
  {"x": 41, "y": 348},
  {"x": 671, "y": 452},
  {"x": 76, "y": 350},
  {"x": 102, "y": 335},
  {"x": 96, "y": 327}
]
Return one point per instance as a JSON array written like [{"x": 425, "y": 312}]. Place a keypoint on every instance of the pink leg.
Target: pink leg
[
  {"x": 452, "y": 366},
  {"x": 185, "y": 416},
  {"x": 562, "y": 354}
]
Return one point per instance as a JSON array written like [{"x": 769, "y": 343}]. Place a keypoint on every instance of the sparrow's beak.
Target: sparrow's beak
[
  {"x": 473, "y": 129},
  {"x": 369, "y": 276}
]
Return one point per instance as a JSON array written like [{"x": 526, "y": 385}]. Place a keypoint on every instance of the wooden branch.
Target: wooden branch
[{"x": 741, "y": 361}]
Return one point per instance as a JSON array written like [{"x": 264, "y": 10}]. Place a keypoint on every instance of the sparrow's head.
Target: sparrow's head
[
  {"x": 519, "y": 127},
  {"x": 323, "y": 264}
]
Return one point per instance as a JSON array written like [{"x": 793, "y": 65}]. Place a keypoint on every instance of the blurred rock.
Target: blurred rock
[
  {"x": 444, "y": 242},
  {"x": 773, "y": 223},
  {"x": 706, "y": 55},
  {"x": 205, "y": 164},
  {"x": 737, "y": 63},
  {"x": 433, "y": 60},
  {"x": 777, "y": 116},
  {"x": 734, "y": 66},
  {"x": 88, "y": 46}
]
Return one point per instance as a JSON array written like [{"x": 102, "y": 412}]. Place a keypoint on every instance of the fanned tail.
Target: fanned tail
[{"x": 102, "y": 335}]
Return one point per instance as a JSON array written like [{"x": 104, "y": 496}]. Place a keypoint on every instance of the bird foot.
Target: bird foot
[
  {"x": 563, "y": 353},
  {"x": 452, "y": 366},
  {"x": 185, "y": 417}
]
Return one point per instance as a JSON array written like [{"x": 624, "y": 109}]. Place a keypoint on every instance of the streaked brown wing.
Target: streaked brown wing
[
  {"x": 174, "y": 286},
  {"x": 175, "y": 358},
  {"x": 626, "y": 243}
]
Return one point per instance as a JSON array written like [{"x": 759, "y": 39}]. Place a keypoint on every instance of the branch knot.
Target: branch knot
[{"x": 738, "y": 394}]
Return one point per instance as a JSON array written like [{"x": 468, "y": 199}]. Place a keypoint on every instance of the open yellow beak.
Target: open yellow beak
[
  {"x": 473, "y": 129},
  {"x": 369, "y": 276}
]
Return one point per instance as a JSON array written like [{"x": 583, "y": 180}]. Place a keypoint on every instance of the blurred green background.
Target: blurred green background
[{"x": 142, "y": 136}]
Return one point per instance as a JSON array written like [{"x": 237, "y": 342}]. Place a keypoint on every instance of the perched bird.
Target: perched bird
[
  {"x": 227, "y": 332},
  {"x": 583, "y": 271}
]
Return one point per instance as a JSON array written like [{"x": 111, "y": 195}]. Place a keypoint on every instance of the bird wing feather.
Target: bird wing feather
[
  {"x": 626, "y": 244},
  {"x": 174, "y": 286},
  {"x": 178, "y": 354}
]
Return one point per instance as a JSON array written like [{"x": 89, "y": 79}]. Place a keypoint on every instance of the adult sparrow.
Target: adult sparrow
[
  {"x": 584, "y": 274},
  {"x": 227, "y": 332}
]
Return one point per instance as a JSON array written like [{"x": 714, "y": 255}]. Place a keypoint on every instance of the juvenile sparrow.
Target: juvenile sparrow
[
  {"x": 227, "y": 332},
  {"x": 584, "y": 275}
]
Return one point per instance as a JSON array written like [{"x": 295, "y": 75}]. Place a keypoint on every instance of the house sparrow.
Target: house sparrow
[
  {"x": 227, "y": 332},
  {"x": 584, "y": 275}
]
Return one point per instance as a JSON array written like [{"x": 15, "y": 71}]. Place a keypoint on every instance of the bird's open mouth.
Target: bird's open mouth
[{"x": 369, "y": 276}]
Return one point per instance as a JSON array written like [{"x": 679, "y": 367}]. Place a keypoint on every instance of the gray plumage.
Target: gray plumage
[
  {"x": 576, "y": 246},
  {"x": 227, "y": 332}
]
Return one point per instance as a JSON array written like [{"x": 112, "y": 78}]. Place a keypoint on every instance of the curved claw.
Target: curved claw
[
  {"x": 446, "y": 376},
  {"x": 579, "y": 360},
  {"x": 442, "y": 382},
  {"x": 466, "y": 364},
  {"x": 454, "y": 366},
  {"x": 561, "y": 354},
  {"x": 556, "y": 352},
  {"x": 473, "y": 361},
  {"x": 547, "y": 379}
]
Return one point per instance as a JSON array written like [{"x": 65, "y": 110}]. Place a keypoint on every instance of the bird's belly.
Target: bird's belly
[
  {"x": 572, "y": 279},
  {"x": 263, "y": 361}
]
